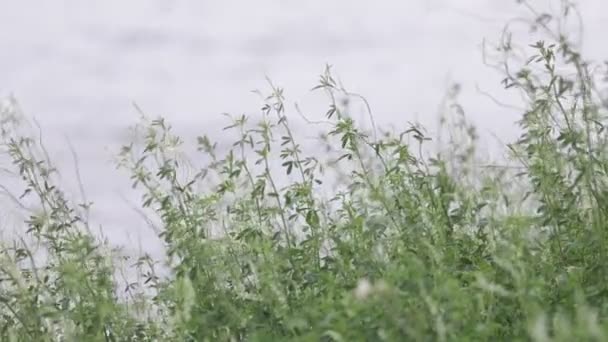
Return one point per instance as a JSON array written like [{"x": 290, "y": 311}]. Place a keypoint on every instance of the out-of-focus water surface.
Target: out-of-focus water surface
[{"x": 78, "y": 65}]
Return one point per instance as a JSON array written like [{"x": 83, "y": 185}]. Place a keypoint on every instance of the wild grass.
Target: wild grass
[{"x": 373, "y": 239}]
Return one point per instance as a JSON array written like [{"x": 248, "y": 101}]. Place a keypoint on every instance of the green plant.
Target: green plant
[{"x": 377, "y": 238}]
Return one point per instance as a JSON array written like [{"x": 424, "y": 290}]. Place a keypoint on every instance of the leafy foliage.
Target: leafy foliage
[{"x": 407, "y": 245}]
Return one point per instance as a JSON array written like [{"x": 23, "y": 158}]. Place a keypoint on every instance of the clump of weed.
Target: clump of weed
[{"x": 408, "y": 244}]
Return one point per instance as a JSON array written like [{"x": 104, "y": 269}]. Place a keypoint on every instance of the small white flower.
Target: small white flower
[{"x": 363, "y": 290}]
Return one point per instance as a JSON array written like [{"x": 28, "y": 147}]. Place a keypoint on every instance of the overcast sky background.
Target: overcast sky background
[{"x": 77, "y": 66}]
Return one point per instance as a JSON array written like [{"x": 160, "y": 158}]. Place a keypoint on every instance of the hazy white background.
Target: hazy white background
[{"x": 78, "y": 65}]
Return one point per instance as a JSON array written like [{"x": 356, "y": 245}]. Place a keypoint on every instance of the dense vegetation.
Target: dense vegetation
[{"x": 378, "y": 240}]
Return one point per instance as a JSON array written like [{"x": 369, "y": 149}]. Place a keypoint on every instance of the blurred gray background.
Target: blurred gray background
[{"x": 77, "y": 66}]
